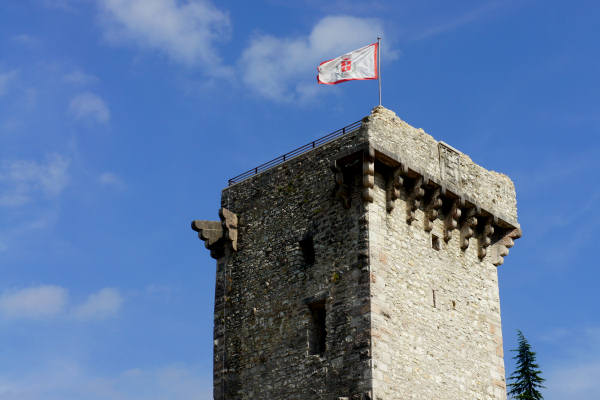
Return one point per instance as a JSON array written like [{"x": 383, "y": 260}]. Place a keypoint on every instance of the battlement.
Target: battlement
[{"x": 363, "y": 267}]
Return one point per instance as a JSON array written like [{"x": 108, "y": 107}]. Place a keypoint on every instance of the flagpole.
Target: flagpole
[{"x": 379, "y": 66}]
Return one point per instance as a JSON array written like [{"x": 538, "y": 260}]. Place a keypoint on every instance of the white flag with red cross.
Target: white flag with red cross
[{"x": 357, "y": 65}]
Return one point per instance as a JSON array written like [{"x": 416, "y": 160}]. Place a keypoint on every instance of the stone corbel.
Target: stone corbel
[
  {"x": 466, "y": 230},
  {"x": 451, "y": 221},
  {"x": 392, "y": 191},
  {"x": 216, "y": 234},
  {"x": 230, "y": 223},
  {"x": 432, "y": 209},
  {"x": 504, "y": 244},
  {"x": 414, "y": 199},
  {"x": 486, "y": 237},
  {"x": 368, "y": 174},
  {"x": 342, "y": 190}
]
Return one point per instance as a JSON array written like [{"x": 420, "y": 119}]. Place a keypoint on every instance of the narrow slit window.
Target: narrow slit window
[
  {"x": 308, "y": 250},
  {"x": 317, "y": 332}
]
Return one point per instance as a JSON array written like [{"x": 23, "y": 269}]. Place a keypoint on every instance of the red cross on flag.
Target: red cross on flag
[{"x": 357, "y": 65}]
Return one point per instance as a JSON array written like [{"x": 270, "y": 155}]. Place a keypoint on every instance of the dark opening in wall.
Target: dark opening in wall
[
  {"x": 308, "y": 250},
  {"x": 435, "y": 242},
  {"x": 317, "y": 333}
]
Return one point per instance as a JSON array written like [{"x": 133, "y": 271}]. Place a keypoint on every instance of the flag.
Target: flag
[{"x": 357, "y": 65}]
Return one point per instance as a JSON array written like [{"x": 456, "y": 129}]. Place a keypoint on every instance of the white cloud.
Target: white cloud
[
  {"x": 111, "y": 179},
  {"x": 574, "y": 382},
  {"x": 79, "y": 78},
  {"x": 89, "y": 105},
  {"x": 284, "y": 69},
  {"x": 36, "y": 302},
  {"x": 21, "y": 180},
  {"x": 6, "y": 78},
  {"x": 46, "y": 301},
  {"x": 25, "y": 39},
  {"x": 70, "y": 380},
  {"x": 455, "y": 22},
  {"x": 183, "y": 30},
  {"x": 100, "y": 305},
  {"x": 571, "y": 371}
]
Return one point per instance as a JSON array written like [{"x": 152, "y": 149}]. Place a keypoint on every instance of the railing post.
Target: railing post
[
  {"x": 284, "y": 157},
  {"x": 343, "y": 130}
]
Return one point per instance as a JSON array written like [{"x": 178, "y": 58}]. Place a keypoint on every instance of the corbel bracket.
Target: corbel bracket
[
  {"x": 392, "y": 191},
  {"x": 368, "y": 173},
  {"x": 466, "y": 230},
  {"x": 486, "y": 236},
  {"x": 504, "y": 244},
  {"x": 451, "y": 221},
  {"x": 432, "y": 209},
  {"x": 414, "y": 199},
  {"x": 216, "y": 234}
]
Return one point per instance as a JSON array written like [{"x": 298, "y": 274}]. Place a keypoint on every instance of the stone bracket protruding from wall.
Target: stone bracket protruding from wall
[
  {"x": 485, "y": 239},
  {"x": 368, "y": 175},
  {"x": 422, "y": 191},
  {"x": 467, "y": 227},
  {"x": 217, "y": 234},
  {"x": 392, "y": 190},
  {"x": 432, "y": 209},
  {"x": 451, "y": 221},
  {"x": 415, "y": 194},
  {"x": 507, "y": 241}
]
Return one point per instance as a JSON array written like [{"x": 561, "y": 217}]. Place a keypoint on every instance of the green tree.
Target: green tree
[{"x": 526, "y": 379}]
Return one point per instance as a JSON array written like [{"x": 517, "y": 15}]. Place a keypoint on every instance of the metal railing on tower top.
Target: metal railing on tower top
[{"x": 296, "y": 152}]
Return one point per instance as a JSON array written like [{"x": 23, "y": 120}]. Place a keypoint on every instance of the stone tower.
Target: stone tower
[{"x": 363, "y": 268}]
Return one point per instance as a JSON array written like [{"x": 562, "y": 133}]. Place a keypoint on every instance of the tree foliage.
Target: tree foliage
[{"x": 526, "y": 379}]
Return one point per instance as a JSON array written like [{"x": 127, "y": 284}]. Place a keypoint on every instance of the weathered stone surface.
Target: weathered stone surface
[
  {"x": 392, "y": 239},
  {"x": 216, "y": 234},
  {"x": 454, "y": 170}
]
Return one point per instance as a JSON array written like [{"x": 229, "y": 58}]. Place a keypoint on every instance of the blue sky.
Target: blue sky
[{"x": 121, "y": 121}]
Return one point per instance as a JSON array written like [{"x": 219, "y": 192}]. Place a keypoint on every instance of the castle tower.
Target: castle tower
[{"x": 362, "y": 268}]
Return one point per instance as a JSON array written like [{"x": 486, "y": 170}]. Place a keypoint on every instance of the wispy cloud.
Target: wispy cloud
[
  {"x": 576, "y": 368},
  {"x": 6, "y": 78},
  {"x": 69, "y": 380},
  {"x": 46, "y": 301},
  {"x": 284, "y": 68},
  {"x": 23, "y": 180},
  {"x": 184, "y": 31},
  {"x": 80, "y": 78},
  {"x": 89, "y": 106},
  {"x": 33, "y": 303},
  {"x": 111, "y": 179},
  {"x": 103, "y": 304},
  {"x": 452, "y": 23},
  {"x": 25, "y": 39}
]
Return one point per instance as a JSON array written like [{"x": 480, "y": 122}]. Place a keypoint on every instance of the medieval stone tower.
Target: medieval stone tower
[{"x": 363, "y": 268}]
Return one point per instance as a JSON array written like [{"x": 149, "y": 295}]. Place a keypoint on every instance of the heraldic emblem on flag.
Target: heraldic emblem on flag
[{"x": 357, "y": 65}]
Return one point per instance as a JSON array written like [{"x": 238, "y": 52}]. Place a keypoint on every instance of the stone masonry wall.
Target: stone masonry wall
[
  {"x": 261, "y": 313},
  {"x": 448, "y": 350},
  {"x": 407, "y": 235},
  {"x": 489, "y": 189}
]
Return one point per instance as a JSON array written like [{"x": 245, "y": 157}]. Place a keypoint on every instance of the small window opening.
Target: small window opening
[
  {"x": 453, "y": 305},
  {"x": 308, "y": 250},
  {"x": 433, "y": 295},
  {"x": 435, "y": 242},
  {"x": 317, "y": 334}
]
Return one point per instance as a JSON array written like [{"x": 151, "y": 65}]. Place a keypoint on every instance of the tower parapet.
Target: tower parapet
[{"x": 362, "y": 269}]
